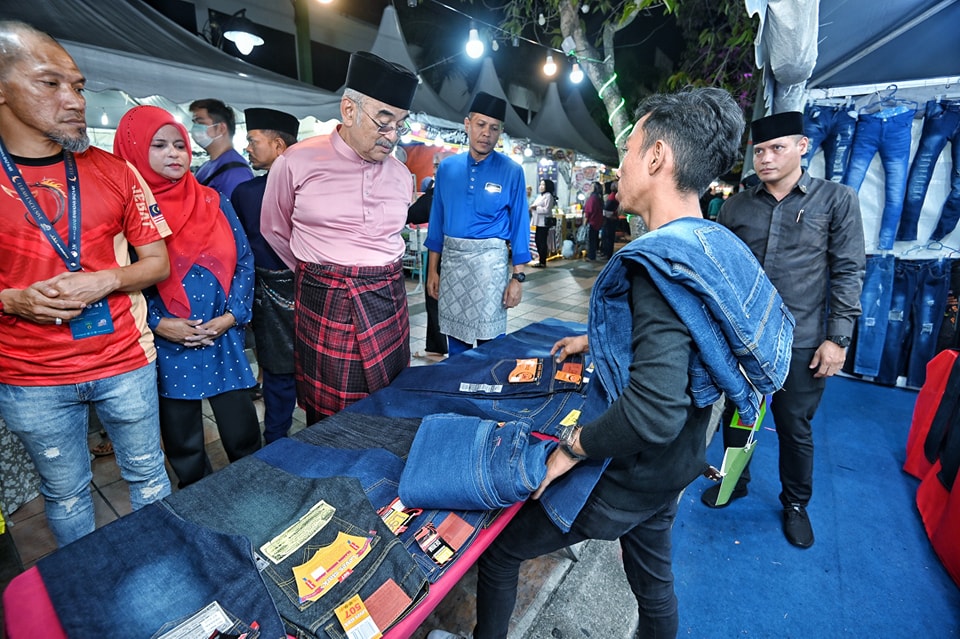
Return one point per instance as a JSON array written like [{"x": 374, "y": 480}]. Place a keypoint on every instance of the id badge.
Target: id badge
[{"x": 94, "y": 320}]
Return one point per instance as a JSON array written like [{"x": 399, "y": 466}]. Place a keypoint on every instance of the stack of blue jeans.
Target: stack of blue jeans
[{"x": 941, "y": 124}]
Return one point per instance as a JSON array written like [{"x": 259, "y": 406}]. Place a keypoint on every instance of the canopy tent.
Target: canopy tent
[
  {"x": 488, "y": 82},
  {"x": 577, "y": 112},
  {"x": 552, "y": 126},
  {"x": 129, "y": 46},
  {"x": 391, "y": 45}
]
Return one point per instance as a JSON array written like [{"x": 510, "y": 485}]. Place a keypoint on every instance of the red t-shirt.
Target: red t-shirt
[{"x": 115, "y": 214}]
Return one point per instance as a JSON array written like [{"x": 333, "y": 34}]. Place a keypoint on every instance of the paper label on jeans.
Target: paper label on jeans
[
  {"x": 287, "y": 542},
  {"x": 572, "y": 418},
  {"x": 330, "y": 565},
  {"x": 466, "y": 387},
  {"x": 356, "y": 621},
  {"x": 526, "y": 370},
  {"x": 395, "y": 515},
  {"x": 430, "y": 541},
  {"x": 203, "y": 623}
]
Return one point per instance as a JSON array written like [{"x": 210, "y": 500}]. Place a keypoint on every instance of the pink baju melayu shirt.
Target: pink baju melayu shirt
[{"x": 324, "y": 204}]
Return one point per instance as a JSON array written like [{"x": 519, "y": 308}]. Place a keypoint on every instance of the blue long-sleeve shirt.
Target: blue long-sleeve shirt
[{"x": 480, "y": 200}]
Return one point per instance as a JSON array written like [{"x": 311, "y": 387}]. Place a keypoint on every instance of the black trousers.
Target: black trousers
[
  {"x": 436, "y": 340},
  {"x": 793, "y": 408},
  {"x": 540, "y": 238},
  {"x": 181, "y": 429}
]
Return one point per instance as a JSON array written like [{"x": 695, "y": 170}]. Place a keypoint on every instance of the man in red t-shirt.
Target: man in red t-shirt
[{"x": 73, "y": 329}]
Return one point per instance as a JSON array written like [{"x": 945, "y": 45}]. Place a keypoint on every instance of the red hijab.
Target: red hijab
[{"x": 201, "y": 234}]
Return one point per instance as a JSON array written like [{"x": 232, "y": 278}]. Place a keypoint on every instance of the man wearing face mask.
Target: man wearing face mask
[
  {"x": 214, "y": 126},
  {"x": 333, "y": 211}
]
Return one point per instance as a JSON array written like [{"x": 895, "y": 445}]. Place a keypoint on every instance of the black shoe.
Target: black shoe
[
  {"x": 709, "y": 496},
  {"x": 796, "y": 526}
]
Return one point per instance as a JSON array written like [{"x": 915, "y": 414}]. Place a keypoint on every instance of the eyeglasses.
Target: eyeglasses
[{"x": 402, "y": 128}]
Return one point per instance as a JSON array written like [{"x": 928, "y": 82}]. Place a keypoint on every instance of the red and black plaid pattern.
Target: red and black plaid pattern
[{"x": 352, "y": 334}]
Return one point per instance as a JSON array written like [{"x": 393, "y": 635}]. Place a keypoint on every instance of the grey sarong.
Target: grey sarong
[
  {"x": 273, "y": 320},
  {"x": 473, "y": 277}
]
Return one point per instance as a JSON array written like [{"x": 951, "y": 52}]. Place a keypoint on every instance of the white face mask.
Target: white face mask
[{"x": 199, "y": 134}]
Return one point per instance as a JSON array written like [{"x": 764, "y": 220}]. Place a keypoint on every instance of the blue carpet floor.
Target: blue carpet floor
[{"x": 871, "y": 573}]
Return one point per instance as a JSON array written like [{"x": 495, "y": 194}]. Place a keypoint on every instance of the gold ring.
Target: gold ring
[{"x": 58, "y": 321}]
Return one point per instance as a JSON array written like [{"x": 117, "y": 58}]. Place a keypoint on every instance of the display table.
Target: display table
[{"x": 29, "y": 608}]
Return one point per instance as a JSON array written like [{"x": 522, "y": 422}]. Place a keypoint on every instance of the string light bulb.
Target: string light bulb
[
  {"x": 549, "y": 67},
  {"x": 495, "y": 45},
  {"x": 585, "y": 7},
  {"x": 576, "y": 74},
  {"x": 474, "y": 46},
  {"x": 541, "y": 20},
  {"x": 104, "y": 120}
]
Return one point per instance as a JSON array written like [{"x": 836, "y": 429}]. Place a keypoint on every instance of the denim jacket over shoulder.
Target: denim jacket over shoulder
[{"x": 741, "y": 327}]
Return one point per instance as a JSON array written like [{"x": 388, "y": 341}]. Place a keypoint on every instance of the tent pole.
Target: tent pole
[{"x": 301, "y": 18}]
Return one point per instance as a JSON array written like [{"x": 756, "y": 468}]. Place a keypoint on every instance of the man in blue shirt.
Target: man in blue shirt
[
  {"x": 479, "y": 207},
  {"x": 214, "y": 126}
]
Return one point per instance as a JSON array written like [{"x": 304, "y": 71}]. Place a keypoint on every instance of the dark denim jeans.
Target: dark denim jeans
[
  {"x": 916, "y": 313},
  {"x": 151, "y": 567},
  {"x": 830, "y": 127},
  {"x": 941, "y": 124},
  {"x": 872, "y": 324},
  {"x": 645, "y": 540},
  {"x": 377, "y": 470},
  {"x": 252, "y": 498},
  {"x": 470, "y": 463},
  {"x": 565, "y": 497},
  {"x": 890, "y": 136}
]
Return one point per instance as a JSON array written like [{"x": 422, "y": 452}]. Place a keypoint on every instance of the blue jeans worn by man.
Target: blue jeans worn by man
[
  {"x": 888, "y": 134},
  {"x": 830, "y": 127},
  {"x": 941, "y": 124},
  {"x": 56, "y": 439}
]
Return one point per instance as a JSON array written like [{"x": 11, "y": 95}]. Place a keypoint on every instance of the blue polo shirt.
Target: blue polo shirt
[{"x": 480, "y": 200}]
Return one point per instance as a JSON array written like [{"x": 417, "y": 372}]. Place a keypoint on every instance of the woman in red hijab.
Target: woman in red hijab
[{"x": 198, "y": 313}]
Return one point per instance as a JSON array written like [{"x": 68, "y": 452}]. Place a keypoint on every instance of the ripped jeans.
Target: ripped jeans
[{"x": 52, "y": 422}]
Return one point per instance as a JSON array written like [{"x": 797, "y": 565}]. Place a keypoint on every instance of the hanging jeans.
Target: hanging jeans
[
  {"x": 916, "y": 313},
  {"x": 872, "y": 323},
  {"x": 830, "y": 127},
  {"x": 941, "y": 124},
  {"x": 890, "y": 136},
  {"x": 151, "y": 567}
]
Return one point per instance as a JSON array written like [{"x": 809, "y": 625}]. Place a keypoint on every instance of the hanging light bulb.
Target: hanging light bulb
[
  {"x": 495, "y": 45},
  {"x": 541, "y": 20},
  {"x": 528, "y": 152},
  {"x": 576, "y": 74},
  {"x": 549, "y": 67},
  {"x": 515, "y": 41},
  {"x": 104, "y": 120},
  {"x": 474, "y": 45},
  {"x": 585, "y": 7}
]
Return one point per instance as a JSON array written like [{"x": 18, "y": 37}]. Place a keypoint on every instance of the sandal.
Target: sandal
[{"x": 103, "y": 449}]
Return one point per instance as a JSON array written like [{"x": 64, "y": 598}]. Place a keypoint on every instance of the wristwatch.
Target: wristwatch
[
  {"x": 567, "y": 438},
  {"x": 520, "y": 277},
  {"x": 840, "y": 340}
]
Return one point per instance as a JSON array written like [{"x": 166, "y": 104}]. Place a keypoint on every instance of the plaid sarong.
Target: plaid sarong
[{"x": 352, "y": 334}]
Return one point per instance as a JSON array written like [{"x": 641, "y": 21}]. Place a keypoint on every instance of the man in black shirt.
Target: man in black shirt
[
  {"x": 653, "y": 432},
  {"x": 808, "y": 235}
]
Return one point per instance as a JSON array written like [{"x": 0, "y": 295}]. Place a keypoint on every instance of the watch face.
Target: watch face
[{"x": 520, "y": 277}]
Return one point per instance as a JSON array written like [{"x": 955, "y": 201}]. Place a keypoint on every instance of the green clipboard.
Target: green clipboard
[{"x": 735, "y": 459}]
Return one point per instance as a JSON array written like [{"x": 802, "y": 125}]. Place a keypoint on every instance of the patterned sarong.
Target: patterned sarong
[
  {"x": 473, "y": 277},
  {"x": 273, "y": 320},
  {"x": 352, "y": 334}
]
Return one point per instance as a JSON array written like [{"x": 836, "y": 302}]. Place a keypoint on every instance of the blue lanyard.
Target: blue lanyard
[{"x": 69, "y": 253}]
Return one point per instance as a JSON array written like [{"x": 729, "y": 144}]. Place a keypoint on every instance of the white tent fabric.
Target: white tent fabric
[
  {"x": 391, "y": 45},
  {"x": 127, "y": 45},
  {"x": 577, "y": 112},
  {"x": 488, "y": 82},
  {"x": 552, "y": 126}
]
